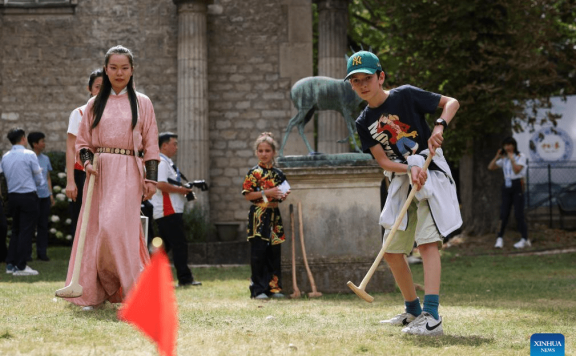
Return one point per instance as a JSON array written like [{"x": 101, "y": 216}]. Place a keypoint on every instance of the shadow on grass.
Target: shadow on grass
[
  {"x": 448, "y": 340},
  {"x": 107, "y": 313}
]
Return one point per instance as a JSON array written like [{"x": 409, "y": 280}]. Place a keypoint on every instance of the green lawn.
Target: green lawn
[{"x": 491, "y": 306}]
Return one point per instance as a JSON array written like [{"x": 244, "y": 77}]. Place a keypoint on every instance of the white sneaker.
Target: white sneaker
[
  {"x": 522, "y": 243},
  {"x": 10, "y": 268},
  {"x": 499, "y": 243},
  {"x": 261, "y": 296},
  {"x": 400, "y": 320},
  {"x": 413, "y": 260},
  {"x": 425, "y": 325},
  {"x": 25, "y": 272}
]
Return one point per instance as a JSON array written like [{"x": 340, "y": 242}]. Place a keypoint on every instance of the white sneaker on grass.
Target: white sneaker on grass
[
  {"x": 425, "y": 325},
  {"x": 522, "y": 243},
  {"x": 413, "y": 260},
  {"x": 400, "y": 320},
  {"x": 25, "y": 272},
  {"x": 10, "y": 268},
  {"x": 499, "y": 243}
]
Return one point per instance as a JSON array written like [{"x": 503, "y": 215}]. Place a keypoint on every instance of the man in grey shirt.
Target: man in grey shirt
[{"x": 23, "y": 177}]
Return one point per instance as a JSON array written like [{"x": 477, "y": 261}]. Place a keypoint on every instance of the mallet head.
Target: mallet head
[
  {"x": 360, "y": 292},
  {"x": 70, "y": 291},
  {"x": 296, "y": 294}
]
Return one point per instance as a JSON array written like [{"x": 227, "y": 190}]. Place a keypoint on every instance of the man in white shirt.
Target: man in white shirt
[{"x": 169, "y": 202}]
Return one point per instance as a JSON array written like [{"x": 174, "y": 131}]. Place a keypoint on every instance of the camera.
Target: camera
[{"x": 189, "y": 185}]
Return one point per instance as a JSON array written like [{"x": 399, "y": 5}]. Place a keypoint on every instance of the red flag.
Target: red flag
[{"x": 151, "y": 304}]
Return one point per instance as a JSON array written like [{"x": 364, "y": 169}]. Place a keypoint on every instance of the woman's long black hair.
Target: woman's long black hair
[
  {"x": 510, "y": 141},
  {"x": 104, "y": 94},
  {"x": 95, "y": 74}
]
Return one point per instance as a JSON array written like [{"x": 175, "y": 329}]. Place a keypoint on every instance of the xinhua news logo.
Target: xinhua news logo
[{"x": 547, "y": 344}]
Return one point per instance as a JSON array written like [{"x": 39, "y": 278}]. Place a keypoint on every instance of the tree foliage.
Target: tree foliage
[{"x": 502, "y": 59}]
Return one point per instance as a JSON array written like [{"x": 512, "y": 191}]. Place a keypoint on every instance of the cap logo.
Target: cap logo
[{"x": 356, "y": 60}]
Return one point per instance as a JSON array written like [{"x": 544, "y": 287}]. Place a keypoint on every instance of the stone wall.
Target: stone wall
[
  {"x": 249, "y": 89},
  {"x": 256, "y": 50},
  {"x": 246, "y": 95},
  {"x": 47, "y": 58}
]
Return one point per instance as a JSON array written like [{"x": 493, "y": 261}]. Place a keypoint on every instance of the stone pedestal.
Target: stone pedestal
[{"x": 340, "y": 199}]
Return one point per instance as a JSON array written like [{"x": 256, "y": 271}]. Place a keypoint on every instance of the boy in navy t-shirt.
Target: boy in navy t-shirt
[{"x": 393, "y": 129}]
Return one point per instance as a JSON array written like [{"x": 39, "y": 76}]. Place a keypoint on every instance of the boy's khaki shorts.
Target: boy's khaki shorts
[{"x": 421, "y": 228}]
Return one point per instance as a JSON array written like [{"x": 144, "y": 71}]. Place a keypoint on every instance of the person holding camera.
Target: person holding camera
[
  {"x": 513, "y": 164},
  {"x": 169, "y": 202}
]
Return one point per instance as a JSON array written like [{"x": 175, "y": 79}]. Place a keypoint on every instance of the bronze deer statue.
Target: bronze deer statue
[{"x": 322, "y": 93}]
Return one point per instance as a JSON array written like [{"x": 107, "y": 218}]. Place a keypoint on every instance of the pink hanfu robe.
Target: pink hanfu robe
[{"x": 115, "y": 252}]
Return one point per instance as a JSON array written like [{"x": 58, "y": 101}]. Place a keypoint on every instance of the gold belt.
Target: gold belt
[
  {"x": 272, "y": 205},
  {"x": 120, "y": 151}
]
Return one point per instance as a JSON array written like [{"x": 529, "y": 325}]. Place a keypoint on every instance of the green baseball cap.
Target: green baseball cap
[{"x": 363, "y": 62}]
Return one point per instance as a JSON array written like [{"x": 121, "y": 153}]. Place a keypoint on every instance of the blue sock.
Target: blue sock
[
  {"x": 413, "y": 307},
  {"x": 431, "y": 302}
]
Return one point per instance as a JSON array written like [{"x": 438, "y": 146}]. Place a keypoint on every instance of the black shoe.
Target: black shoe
[
  {"x": 43, "y": 258},
  {"x": 188, "y": 284}
]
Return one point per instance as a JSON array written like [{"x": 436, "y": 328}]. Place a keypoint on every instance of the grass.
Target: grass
[{"x": 491, "y": 305}]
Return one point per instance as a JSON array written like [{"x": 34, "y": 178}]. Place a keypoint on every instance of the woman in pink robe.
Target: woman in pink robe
[{"x": 114, "y": 250}]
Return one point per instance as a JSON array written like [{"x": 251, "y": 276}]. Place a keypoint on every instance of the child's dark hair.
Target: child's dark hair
[
  {"x": 268, "y": 138},
  {"x": 165, "y": 137},
  {"x": 510, "y": 141},
  {"x": 95, "y": 74},
  {"x": 35, "y": 137},
  {"x": 104, "y": 94},
  {"x": 15, "y": 135}
]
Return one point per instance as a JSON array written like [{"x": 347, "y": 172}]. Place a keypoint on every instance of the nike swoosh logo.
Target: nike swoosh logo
[
  {"x": 432, "y": 328},
  {"x": 405, "y": 321}
]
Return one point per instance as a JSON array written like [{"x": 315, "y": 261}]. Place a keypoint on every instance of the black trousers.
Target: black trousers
[
  {"x": 265, "y": 261},
  {"x": 172, "y": 230},
  {"x": 3, "y": 233},
  {"x": 75, "y": 206},
  {"x": 148, "y": 210},
  {"x": 513, "y": 197},
  {"x": 24, "y": 211},
  {"x": 42, "y": 227}
]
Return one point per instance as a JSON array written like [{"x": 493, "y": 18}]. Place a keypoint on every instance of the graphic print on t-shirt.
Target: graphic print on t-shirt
[{"x": 395, "y": 136}]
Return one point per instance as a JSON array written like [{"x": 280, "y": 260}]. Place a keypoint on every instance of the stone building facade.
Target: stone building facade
[{"x": 218, "y": 72}]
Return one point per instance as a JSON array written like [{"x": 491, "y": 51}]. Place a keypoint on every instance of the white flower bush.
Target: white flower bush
[{"x": 60, "y": 219}]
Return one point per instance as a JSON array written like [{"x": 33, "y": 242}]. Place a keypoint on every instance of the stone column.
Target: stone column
[
  {"x": 192, "y": 121},
  {"x": 332, "y": 46}
]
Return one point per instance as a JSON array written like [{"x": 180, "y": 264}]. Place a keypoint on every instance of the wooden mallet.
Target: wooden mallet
[
  {"x": 361, "y": 290},
  {"x": 74, "y": 289},
  {"x": 314, "y": 292},
  {"x": 296, "y": 293}
]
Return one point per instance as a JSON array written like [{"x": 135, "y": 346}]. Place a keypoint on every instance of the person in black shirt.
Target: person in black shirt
[{"x": 393, "y": 129}]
